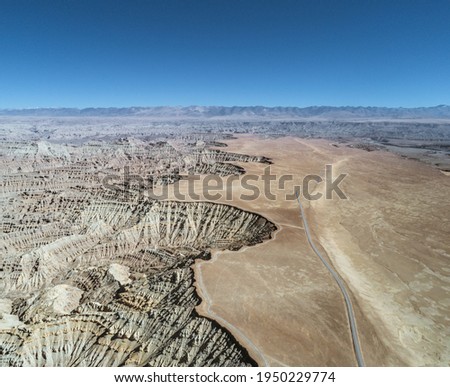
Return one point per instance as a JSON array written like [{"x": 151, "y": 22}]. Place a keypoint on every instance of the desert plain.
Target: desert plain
[
  {"x": 98, "y": 270},
  {"x": 388, "y": 240}
]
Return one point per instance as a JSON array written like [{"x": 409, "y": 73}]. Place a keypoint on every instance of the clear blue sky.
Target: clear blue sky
[{"x": 81, "y": 53}]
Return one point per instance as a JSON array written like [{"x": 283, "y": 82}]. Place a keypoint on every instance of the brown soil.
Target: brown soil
[{"x": 388, "y": 240}]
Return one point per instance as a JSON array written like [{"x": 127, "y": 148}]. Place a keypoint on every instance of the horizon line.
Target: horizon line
[{"x": 222, "y": 106}]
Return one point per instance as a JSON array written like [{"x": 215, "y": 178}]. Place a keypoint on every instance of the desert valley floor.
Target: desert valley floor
[{"x": 388, "y": 241}]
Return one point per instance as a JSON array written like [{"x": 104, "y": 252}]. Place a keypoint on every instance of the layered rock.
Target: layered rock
[
  {"x": 121, "y": 290},
  {"x": 90, "y": 279}
]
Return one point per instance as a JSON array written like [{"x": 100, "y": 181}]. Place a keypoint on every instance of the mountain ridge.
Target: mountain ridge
[{"x": 211, "y": 112}]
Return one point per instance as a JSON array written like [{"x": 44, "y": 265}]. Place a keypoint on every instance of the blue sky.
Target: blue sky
[{"x": 224, "y": 52}]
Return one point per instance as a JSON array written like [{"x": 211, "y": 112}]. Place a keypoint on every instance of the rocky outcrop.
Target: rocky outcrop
[
  {"x": 120, "y": 290},
  {"x": 214, "y": 155},
  {"x": 92, "y": 278},
  {"x": 220, "y": 169},
  {"x": 40, "y": 166},
  {"x": 146, "y": 320}
]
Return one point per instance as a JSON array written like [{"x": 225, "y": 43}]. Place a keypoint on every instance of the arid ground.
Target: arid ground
[
  {"x": 388, "y": 240},
  {"x": 97, "y": 271}
]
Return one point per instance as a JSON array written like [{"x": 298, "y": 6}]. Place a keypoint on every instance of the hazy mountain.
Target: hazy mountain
[{"x": 204, "y": 112}]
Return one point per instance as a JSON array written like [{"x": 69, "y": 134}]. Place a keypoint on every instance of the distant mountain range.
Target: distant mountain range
[{"x": 241, "y": 112}]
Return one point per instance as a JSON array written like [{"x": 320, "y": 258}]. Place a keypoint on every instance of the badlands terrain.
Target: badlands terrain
[{"x": 111, "y": 255}]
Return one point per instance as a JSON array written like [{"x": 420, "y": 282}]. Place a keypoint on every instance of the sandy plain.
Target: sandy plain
[{"x": 388, "y": 240}]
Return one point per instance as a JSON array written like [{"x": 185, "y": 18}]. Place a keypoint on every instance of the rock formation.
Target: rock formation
[{"x": 89, "y": 278}]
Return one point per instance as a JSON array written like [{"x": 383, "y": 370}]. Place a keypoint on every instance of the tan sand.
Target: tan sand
[{"x": 389, "y": 242}]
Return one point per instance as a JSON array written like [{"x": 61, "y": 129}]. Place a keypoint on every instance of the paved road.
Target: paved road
[{"x": 341, "y": 284}]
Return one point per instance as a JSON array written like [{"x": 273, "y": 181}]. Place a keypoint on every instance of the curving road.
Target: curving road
[{"x": 341, "y": 284}]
